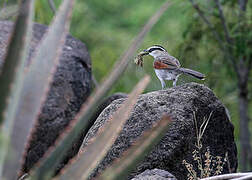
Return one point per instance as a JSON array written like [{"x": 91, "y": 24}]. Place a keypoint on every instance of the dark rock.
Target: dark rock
[
  {"x": 154, "y": 174},
  {"x": 179, "y": 143},
  {"x": 76, "y": 146},
  {"x": 107, "y": 101},
  {"x": 70, "y": 88}
]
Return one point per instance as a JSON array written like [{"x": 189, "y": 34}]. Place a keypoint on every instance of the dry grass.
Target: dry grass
[{"x": 207, "y": 164}]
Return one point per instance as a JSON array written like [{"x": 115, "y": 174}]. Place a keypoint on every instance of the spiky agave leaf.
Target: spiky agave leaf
[
  {"x": 122, "y": 166},
  {"x": 81, "y": 121},
  {"x": 11, "y": 77},
  {"x": 37, "y": 82},
  {"x": 91, "y": 155}
]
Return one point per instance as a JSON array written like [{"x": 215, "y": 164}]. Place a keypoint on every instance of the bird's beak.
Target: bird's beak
[{"x": 144, "y": 52}]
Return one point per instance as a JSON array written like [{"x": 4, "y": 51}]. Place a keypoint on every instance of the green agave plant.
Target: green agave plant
[{"x": 23, "y": 92}]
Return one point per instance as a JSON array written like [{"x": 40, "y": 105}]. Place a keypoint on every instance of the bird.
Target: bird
[{"x": 168, "y": 67}]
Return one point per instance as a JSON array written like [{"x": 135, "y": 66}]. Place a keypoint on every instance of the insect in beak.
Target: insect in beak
[{"x": 139, "y": 58}]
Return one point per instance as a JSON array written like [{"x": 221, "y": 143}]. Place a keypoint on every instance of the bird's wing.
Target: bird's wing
[{"x": 166, "y": 62}]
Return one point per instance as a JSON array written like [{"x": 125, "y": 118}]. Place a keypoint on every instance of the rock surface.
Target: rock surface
[
  {"x": 154, "y": 174},
  {"x": 70, "y": 88},
  {"x": 105, "y": 103},
  {"x": 75, "y": 147},
  {"x": 179, "y": 143}
]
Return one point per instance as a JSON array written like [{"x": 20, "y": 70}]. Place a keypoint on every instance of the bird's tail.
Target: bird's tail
[{"x": 193, "y": 73}]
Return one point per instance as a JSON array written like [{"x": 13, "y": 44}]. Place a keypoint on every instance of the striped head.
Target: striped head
[{"x": 155, "y": 50}]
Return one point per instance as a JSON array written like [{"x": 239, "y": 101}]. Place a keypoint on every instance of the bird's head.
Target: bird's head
[{"x": 155, "y": 50}]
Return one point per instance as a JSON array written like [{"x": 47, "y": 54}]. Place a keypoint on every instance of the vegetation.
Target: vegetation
[
  {"x": 180, "y": 30},
  {"x": 213, "y": 37},
  {"x": 23, "y": 93},
  {"x": 230, "y": 32},
  {"x": 207, "y": 164},
  {"x": 185, "y": 35}
]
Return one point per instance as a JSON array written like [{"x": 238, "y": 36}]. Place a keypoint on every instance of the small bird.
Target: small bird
[{"x": 168, "y": 67}]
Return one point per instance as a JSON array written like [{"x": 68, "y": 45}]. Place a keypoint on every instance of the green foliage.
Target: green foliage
[
  {"x": 107, "y": 27},
  {"x": 43, "y": 11},
  {"x": 26, "y": 95},
  {"x": 81, "y": 122},
  {"x": 200, "y": 43},
  {"x": 95, "y": 24},
  {"x": 5, "y": 3}
]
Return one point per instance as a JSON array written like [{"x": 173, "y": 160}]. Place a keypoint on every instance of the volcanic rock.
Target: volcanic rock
[{"x": 180, "y": 148}]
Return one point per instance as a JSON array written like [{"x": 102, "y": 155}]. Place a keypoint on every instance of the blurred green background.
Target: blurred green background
[{"x": 108, "y": 27}]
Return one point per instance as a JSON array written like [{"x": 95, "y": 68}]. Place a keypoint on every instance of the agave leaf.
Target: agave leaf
[
  {"x": 52, "y": 6},
  {"x": 12, "y": 73},
  {"x": 81, "y": 121},
  {"x": 90, "y": 157},
  {"x": 121, "y": 167},
  {"x": 36, "y": 83}
]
